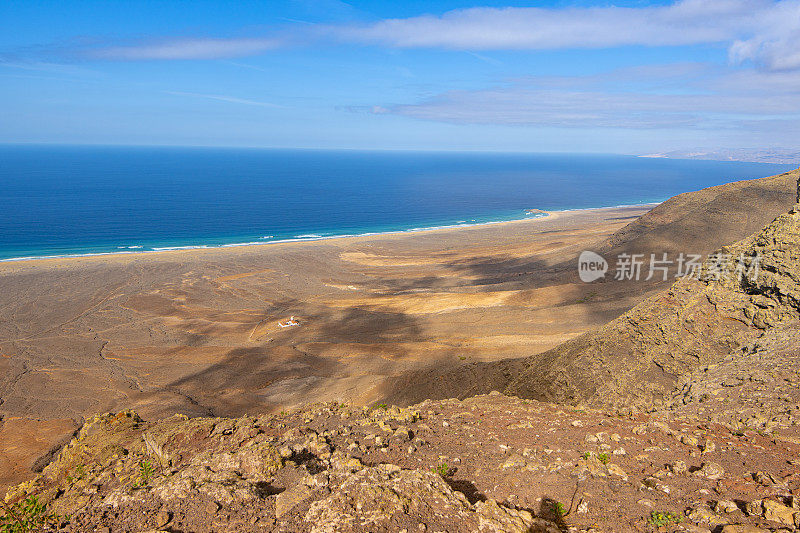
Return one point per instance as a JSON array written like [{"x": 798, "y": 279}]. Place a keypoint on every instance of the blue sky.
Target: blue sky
[{"x": 618, "y": 77}]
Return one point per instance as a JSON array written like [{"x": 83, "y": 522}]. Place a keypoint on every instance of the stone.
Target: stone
[
  {"x": 689, "y": 440},
  {"x": 515, "y": 461},
  {"x": 616, "y": 470},
  {"x": 690, "y": 528},
  {"x": 679, "y": 467},
  {"x": 712, "y": 471},
  {"x": 379, "y": 497},
  {"x": 778, "y": 513},
  {"x": 746, "y": 528},
  {"x": 703, "y": 515},
  {"x": 708, "y": 446},
  {"x": 725, "y": 506},
  {"x": 162, "y": 518},
  {"x": 754, "y": 508},
  {"x": 291, "y": 497}
]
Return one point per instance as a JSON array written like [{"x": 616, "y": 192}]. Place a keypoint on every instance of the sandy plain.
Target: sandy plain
[{"x": 198, "y": 331}]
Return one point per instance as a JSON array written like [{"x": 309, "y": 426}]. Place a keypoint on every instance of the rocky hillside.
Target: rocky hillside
[
  {"x": 734, "y": 211},
  {"x": 636, "y": 360},
  {"x": 490, "y": 463}
]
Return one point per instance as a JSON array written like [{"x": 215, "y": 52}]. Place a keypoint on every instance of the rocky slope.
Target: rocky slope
[
  {"x": 636, "y": 360},
  {"x": 735, "y": 210},
  {"x": 489, "y": 463}
]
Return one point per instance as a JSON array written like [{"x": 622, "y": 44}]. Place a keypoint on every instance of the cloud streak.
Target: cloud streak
[
  {"x": 187, "y": 49},
  {"x": 229, "y": 99}
]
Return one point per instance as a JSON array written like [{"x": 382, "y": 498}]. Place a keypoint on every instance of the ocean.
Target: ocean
[{"x": 71, "y": 200}]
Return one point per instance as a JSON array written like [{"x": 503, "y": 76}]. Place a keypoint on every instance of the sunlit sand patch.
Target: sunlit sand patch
[
  {"x": 440, "y": 302},
  {"x": 493, "y": 347},
  {"x": 428, "y": 302},
  {"x": 366, "y": 259},
  {"x": 342, "y": 287}
]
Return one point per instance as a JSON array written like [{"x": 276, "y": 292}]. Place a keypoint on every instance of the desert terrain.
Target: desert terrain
[{"x": 198, "y": 332}]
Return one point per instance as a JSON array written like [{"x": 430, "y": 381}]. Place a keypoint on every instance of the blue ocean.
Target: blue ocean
[{"x": 68, "y": 200}]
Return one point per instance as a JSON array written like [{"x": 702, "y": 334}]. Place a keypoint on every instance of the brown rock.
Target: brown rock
[
  {"x": 162, "y": 518},
  {"x": 778, "y": 513}
]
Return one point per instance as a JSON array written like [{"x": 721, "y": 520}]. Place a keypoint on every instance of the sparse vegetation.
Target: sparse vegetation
[
  {"x": 443, "y": 469},
  {"x": 26, "y": 515},
  {"x": 603, "y": 458},
  {"x": 80, "y": 473},
  {"x": 559, "y": 510},
  {"x": 381, "y": 406},
  {"x": 661, "y": 518},
  {"x": 587, "y": 298},
  {"x": 145, "y": 472}
]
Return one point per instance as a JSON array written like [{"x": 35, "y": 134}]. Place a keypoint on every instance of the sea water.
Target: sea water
[{"x": 76, "y": 200}]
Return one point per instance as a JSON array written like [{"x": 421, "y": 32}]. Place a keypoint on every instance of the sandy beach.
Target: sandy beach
[{"x": 198, "y": 331}]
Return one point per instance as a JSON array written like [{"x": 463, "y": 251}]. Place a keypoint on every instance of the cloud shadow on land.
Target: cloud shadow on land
[{"x": 234, "y": 385}]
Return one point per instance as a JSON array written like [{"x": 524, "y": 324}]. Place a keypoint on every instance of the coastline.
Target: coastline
[
  {"x": 197, "y": 331},
  {"x": 534, "y": 215}
]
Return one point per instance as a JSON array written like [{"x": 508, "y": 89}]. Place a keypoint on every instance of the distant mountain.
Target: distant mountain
[{"x": 782, "y": 156}]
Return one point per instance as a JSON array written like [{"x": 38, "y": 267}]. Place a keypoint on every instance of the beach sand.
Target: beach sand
[{"x": 197, "y": 331}]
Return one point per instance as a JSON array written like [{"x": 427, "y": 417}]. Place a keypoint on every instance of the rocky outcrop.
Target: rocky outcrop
[
  {"x": 489, "y": 463},
  {"x": 257, "y": 474}
]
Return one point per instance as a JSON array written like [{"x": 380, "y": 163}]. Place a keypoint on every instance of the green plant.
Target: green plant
[
  {"x": 559, "y": 510},
  {"x": 661, "y": 518},
  {"x": 145, "y": 471},
  {"x": 586, "y": 456},
  {"x": 603, "y": 458},
  {"x": 24, "y": 516},
  {"x": 587, "y": 298},
  {"x": 381, "y": 406},
  {"x": 442, "y": 469},
  {"x": 80, "y": 473}
]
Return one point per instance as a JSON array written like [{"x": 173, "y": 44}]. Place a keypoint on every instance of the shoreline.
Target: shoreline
[{"x": 539, "y": 216}]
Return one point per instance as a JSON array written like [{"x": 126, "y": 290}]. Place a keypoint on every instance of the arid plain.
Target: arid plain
[{"x": 198, "y": 332}]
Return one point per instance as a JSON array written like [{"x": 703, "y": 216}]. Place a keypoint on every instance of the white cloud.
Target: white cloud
[
  {"x": 776, "y": 45},
  {"x": 763, "y": 31},
  {"x": 655, "y": 97},
  {"x": 686, "y": 22},
  {"x": 759, "y": 30},
  {"x": 188, "y": 49}
]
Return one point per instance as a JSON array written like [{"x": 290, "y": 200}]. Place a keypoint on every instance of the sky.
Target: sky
[{"x": 629, "y": 77}]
